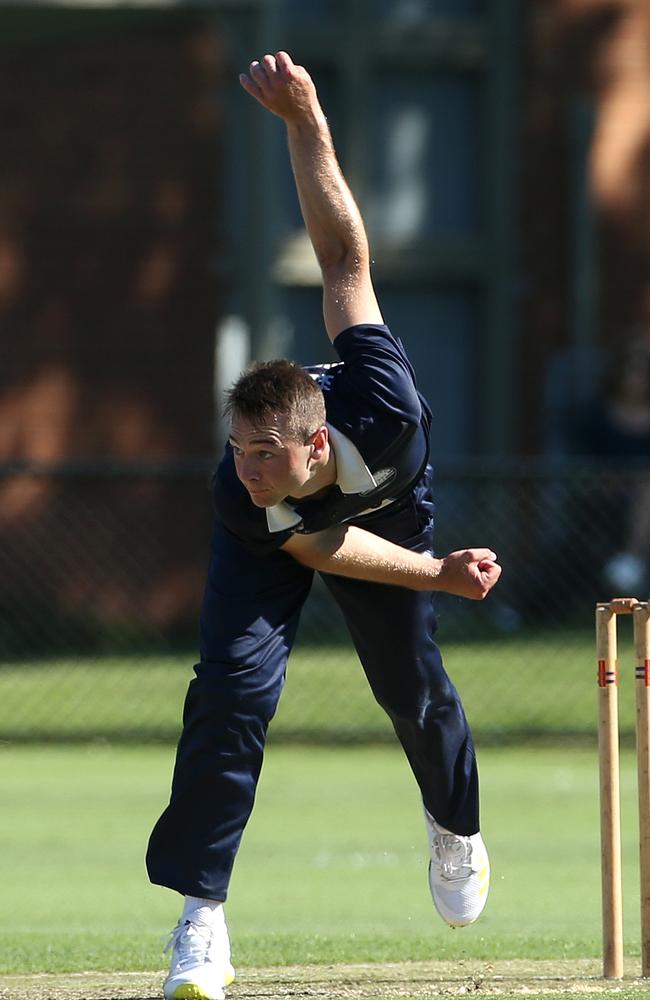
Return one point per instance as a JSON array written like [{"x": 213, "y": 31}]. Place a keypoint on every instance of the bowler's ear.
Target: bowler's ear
[{"x": 319, "y": 441}]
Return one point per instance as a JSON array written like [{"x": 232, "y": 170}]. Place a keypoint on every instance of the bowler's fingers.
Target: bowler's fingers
[
  {"x": 284, "y": 63},
  {"x": 265, "y": 73},
  {"x": 489, "y": 573},
  {"x": 478, "y": 555},
  {"x": 250, "y": 86},
  {"x": 269, "y": 66},
  {"x": 258, "y": 73},
  {"x": 256, "y": 82}
]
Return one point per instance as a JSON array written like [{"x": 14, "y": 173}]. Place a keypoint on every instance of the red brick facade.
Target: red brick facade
[
  {"x": 597, "y": 52},
  {"x": 109, "y": 218}
]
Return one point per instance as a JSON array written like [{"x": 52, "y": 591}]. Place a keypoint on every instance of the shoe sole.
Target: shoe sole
[{"x": 190, "y": 991}]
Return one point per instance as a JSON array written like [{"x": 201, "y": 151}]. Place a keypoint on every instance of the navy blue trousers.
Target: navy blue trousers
[{"x": 249, "y": 620}]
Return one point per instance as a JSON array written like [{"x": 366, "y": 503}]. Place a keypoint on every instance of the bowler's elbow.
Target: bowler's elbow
[
  {"x": 315, "y": 550},
  {"x": 342, "y": 259}
]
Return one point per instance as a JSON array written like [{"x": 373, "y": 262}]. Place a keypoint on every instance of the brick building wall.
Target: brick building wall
[
  {"x": 593, "y": 53},
  {"x": 109, "y": 218}
]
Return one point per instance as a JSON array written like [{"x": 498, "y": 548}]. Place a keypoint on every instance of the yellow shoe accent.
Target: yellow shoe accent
[
  {"x": 459, "y": 874},
  {"x": 189, "y": 991}
]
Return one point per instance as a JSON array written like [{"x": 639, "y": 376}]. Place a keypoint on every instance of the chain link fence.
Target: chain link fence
[{"x": 101, "y": 571}]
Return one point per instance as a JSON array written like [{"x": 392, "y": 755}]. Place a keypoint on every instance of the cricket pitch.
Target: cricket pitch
[{"x": 387, "y": 981}]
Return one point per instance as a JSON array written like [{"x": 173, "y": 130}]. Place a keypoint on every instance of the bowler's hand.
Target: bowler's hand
[
  {"x": 281, "y": 87},
  {"x": 469, "y": 573}
]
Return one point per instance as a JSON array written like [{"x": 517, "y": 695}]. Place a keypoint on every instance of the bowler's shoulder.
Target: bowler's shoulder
[
  {"x": 377, "y": 371},
  {"x": 366, "y": 335},
  {"x": 375, "y": 345}
]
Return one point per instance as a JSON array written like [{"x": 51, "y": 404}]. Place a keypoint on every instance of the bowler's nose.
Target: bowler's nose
[{"x": 247, "y": 470}]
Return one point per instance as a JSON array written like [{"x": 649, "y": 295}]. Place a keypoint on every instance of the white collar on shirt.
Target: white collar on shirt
[{"x": 352, "y": 476}]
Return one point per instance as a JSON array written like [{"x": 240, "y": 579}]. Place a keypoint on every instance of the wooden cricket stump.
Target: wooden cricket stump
[{"x": 609, "y": 768}]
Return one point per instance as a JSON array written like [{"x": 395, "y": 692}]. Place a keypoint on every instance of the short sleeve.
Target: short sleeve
[{"x": 378, "y": 373}]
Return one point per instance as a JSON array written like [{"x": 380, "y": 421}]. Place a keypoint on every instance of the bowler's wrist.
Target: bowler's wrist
[
  {"x": 308, "y": 121},
  {"x": 435, "y": 569}
]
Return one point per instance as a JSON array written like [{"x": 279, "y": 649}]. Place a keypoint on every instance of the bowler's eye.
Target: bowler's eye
[
  {"x": 265, "y": 454},
  {"x": 236, "y": 451}
]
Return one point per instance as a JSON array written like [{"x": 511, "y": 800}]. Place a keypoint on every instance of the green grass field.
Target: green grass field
[
  {"x": 329, "y": 896},
  {"x": 332, "y": 868},
  {"x": 529, "y": 685}
]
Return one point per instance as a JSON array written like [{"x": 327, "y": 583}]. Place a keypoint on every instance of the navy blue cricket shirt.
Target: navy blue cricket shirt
[{"x": 379, "y": 429}]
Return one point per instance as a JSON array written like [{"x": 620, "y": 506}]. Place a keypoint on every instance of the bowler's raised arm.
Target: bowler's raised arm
[{"x": 329, "y": 210}]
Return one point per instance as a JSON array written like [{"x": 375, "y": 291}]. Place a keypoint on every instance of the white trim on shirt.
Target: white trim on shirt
[{"x": 352, "y": 476}]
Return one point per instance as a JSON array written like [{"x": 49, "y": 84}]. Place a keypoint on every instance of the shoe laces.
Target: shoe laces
[
  {"x": 190, "y": 941},
  {"x": 452, "y": 856}
]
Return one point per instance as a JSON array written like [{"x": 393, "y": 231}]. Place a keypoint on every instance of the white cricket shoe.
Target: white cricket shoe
[
  {"x": 200, "y": 964},
  {"x": 459, "y": 874}
]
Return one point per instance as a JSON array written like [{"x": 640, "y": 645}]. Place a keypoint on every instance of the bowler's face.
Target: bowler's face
[{"x": 270, "y": 464}]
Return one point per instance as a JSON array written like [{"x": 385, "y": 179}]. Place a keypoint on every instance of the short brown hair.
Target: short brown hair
[{"x": 273, "y": 387}]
